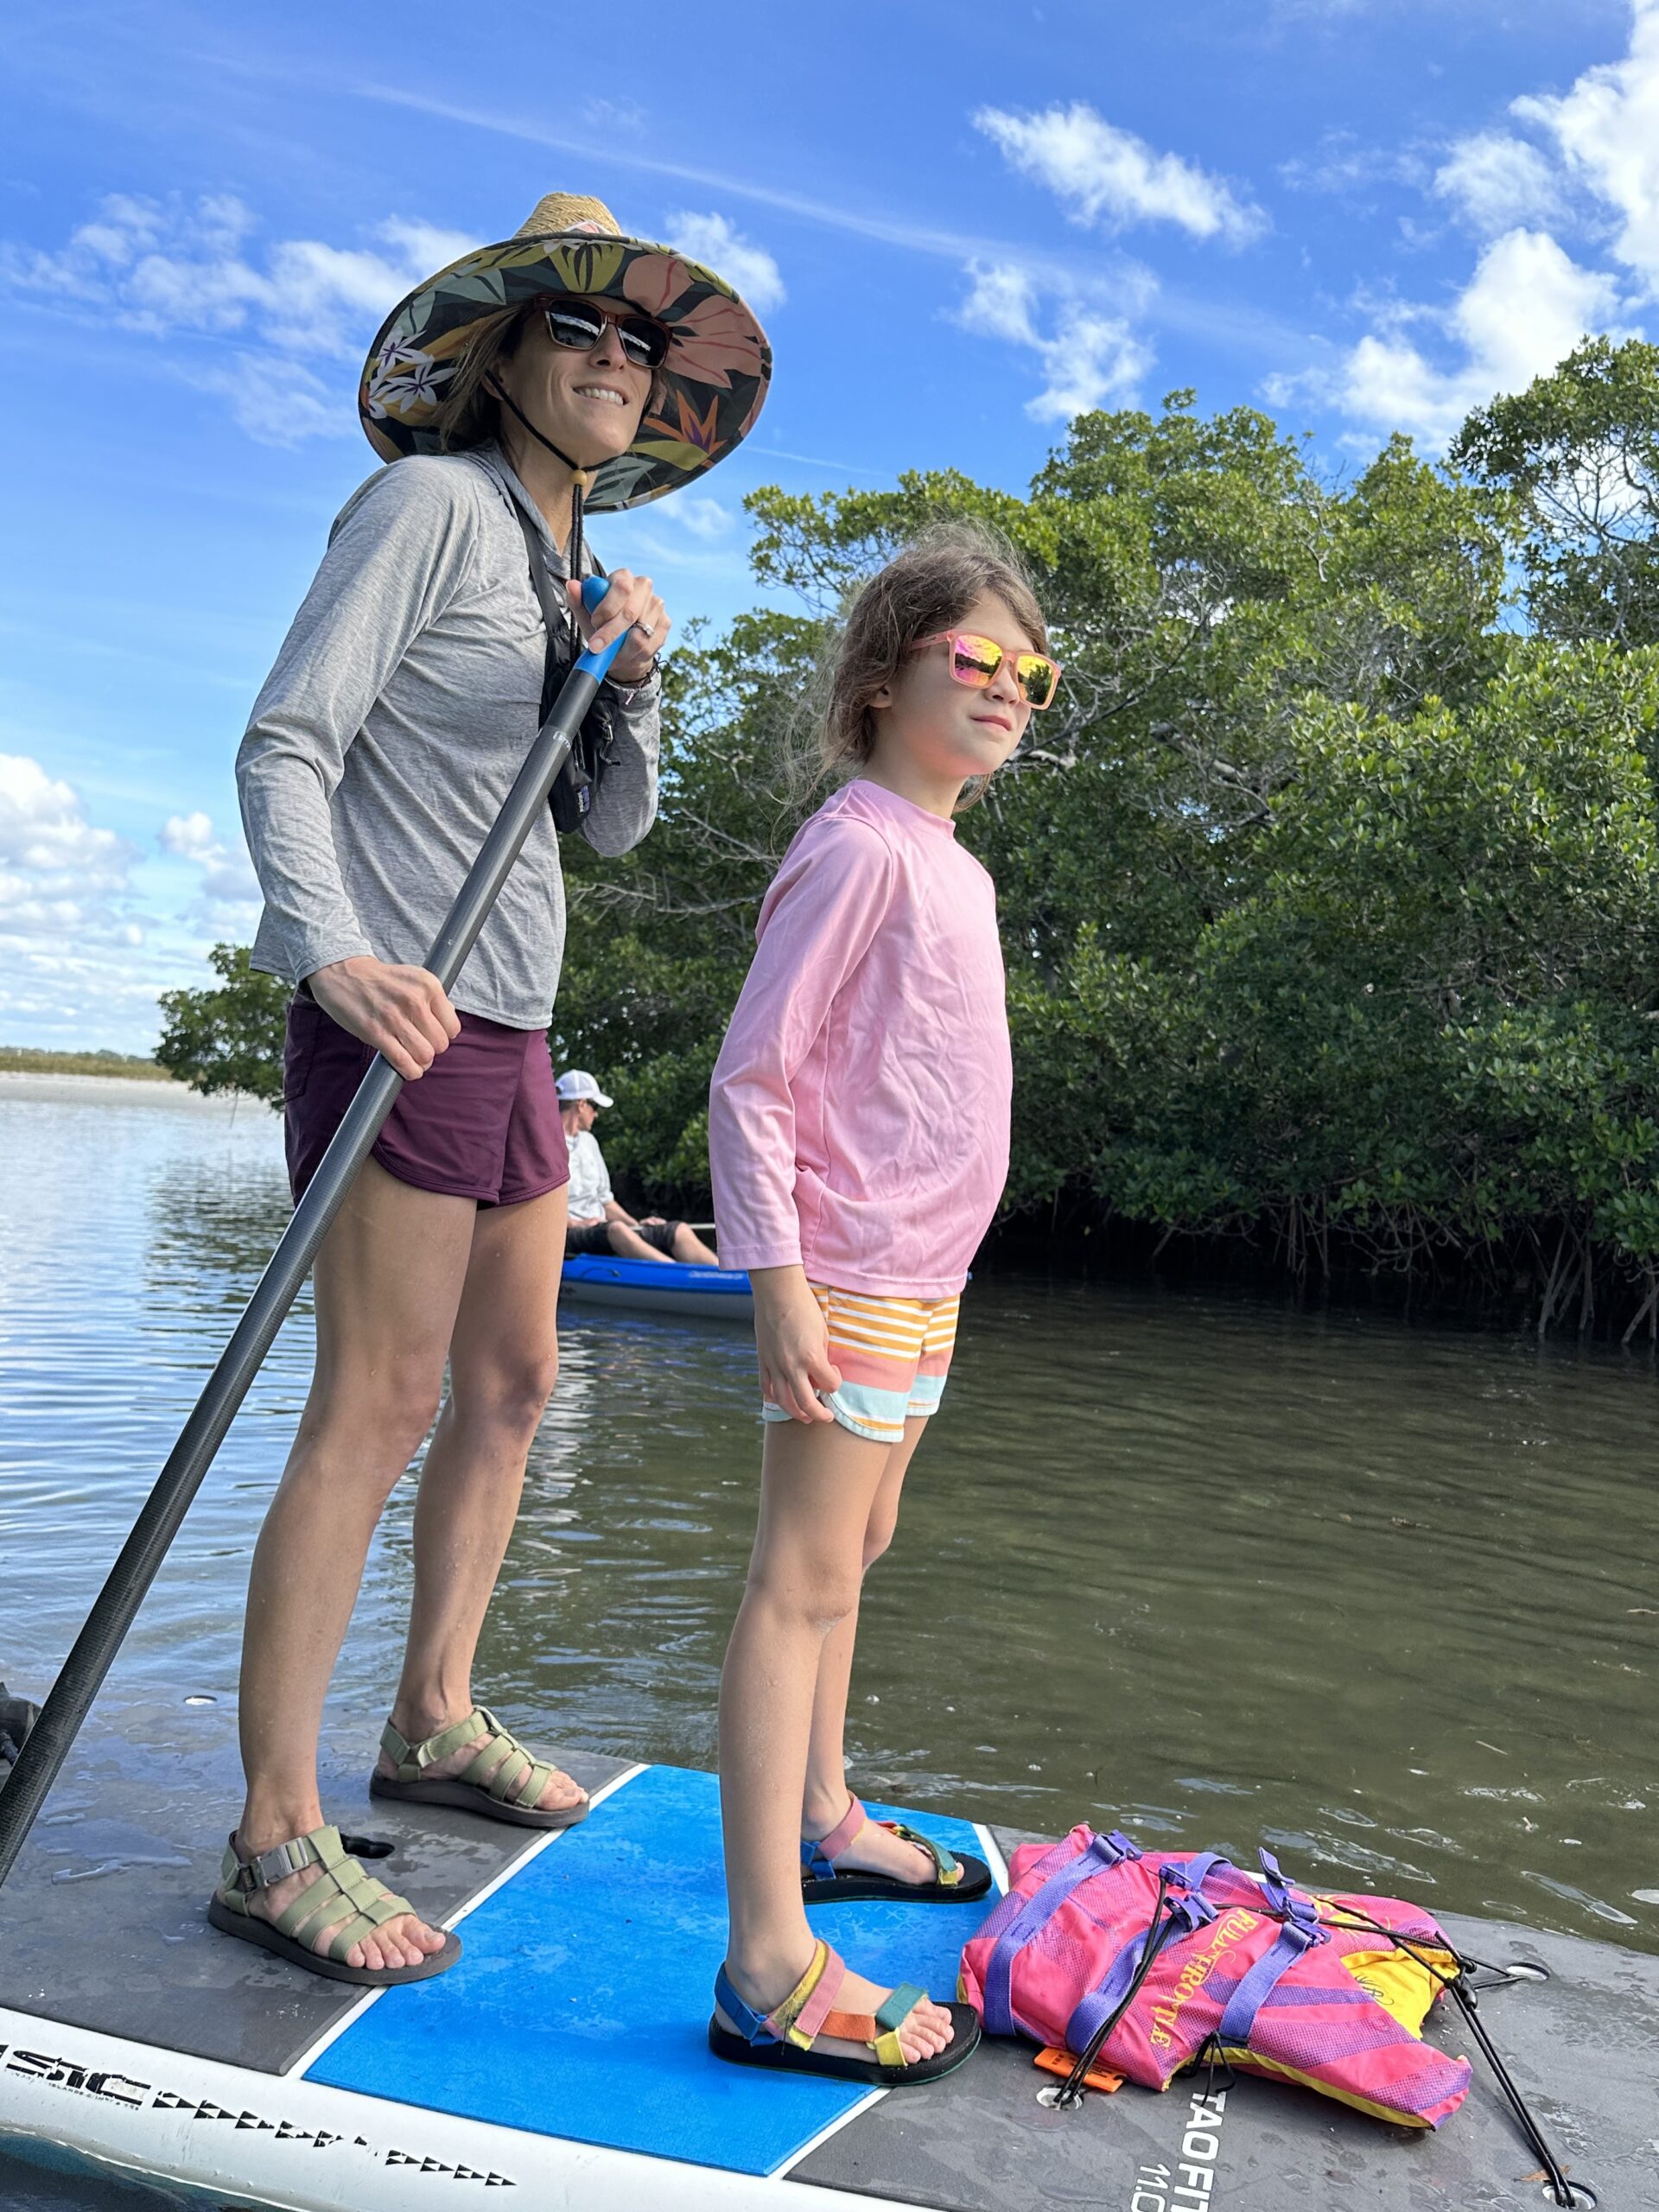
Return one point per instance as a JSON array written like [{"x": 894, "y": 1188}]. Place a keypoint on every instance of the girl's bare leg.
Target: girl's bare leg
[
  {"x": 819, "y": 1486},
  {"x": 388, "y": 1280},
  {"x": 503, "y": 1359},
  {"x": 824, "y": 1801}
]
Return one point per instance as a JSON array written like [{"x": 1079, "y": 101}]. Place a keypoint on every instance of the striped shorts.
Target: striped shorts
[{"x": 894, "y": 1355}]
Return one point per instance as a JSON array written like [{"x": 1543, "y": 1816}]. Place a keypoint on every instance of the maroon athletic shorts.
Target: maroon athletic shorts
[{"x": 482, "y": 1123}]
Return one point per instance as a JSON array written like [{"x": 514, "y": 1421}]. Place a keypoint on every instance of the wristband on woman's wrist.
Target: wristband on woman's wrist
[{"x": 635, "y": 682}]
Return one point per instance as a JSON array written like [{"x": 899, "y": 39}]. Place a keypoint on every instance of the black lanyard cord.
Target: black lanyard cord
[{"x": 581, "y": 477}]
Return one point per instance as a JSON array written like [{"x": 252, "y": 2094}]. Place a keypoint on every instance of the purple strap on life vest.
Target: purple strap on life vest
[
  {"x": 1102, "y": 1852},
  {"x": 1285, "y": 1902},
  {"x": 1300, "y": 1930},
  {"x": 1192, "y": 1911},
  {"x": 1198, "y": 1871},
  {"x": 1253, "y": 1992}
]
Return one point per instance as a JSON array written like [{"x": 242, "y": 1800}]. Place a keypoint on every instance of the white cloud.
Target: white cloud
[
  {"x": 85, "y": 941},
  {"x": 274, "y": 398},
  {"x": 748, "y": 268},
  {"x": 1528, "y": 302},
  {"x": 70, "y": 948},
  {"x": 1105, "y": 175},
  {"x": 230, "y": 900},
  {"x": 1527, "y": 305},
  {"x": 1346, "y": 165},
  {"x": 1606, "y": 128},
  {"x": 178, "y": 271},
  {"x": 58, "y": 871},
  {"x": 703, "y": 517},
  {"x": 1089, "y": 357},
  {"x": 623, "y": 115},
  {"x": 1496, "y": 183}
]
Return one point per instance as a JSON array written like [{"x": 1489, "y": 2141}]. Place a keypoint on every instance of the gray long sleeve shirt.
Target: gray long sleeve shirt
[{"x": 388, "y": 734}]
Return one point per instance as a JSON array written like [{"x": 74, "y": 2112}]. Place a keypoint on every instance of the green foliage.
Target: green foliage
[
  {"x": 1328, "y": 898},
  {"x": 1425, "y": 1021},
  {"x": 1575, "y": 461},
  {"x": 659, "y": 942},
  {"x": 228, "y": 1037}
]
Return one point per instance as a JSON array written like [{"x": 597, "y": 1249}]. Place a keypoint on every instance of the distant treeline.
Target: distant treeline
[
  {"x": 1329, "y": 892},
  {"x": 28, "y": 1059}
]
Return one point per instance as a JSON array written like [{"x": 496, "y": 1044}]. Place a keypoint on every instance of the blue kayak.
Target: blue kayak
[{"x": 659, "y": 1287}]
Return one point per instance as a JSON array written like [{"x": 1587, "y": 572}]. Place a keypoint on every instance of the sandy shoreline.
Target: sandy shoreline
[{"x": 119, "y": 1091}]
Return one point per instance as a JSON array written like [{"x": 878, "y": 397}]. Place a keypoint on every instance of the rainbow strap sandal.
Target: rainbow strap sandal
[
  {"x": 784, "y": 2038},
  {"x": 955, "y": 1881}
]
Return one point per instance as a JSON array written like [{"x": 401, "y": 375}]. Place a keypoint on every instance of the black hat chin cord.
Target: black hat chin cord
[{"x": 581, "y": 477}]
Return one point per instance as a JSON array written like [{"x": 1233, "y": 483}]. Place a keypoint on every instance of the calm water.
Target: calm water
[{"x": 1386, "y": 1597}]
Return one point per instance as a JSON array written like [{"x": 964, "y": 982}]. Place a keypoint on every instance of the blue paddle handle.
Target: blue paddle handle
[{"x": 594, "y": 589}]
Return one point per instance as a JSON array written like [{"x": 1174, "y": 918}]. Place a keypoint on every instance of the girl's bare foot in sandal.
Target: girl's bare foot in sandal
[
  {"x": 874, "y": 1849},
  {"x": 829, "y": 2021},
  {"x": 863, "y": 1858},
  {"x": 923, "y": 2033}
]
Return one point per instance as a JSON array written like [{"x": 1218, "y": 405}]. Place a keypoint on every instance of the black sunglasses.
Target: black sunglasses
[{"x": 580, "y": 325}]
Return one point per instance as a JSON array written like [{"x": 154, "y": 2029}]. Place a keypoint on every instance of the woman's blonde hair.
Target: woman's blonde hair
[{"x": 928, "y": 588}]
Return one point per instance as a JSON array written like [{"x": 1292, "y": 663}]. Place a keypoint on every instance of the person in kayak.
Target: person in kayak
[
  {"x": 568, "y": 365},
  {"x": 597, "y": 1221},
  {"x": 859, "y": 1140}
]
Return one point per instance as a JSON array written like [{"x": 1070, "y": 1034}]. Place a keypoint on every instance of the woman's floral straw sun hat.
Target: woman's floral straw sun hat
[{"x": 710, "y": 387}]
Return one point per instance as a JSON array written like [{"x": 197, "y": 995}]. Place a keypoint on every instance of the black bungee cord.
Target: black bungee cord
[
  {"x": 581, "y": 478},
  {"x": 1566, "y": 2193},
  {"x": 1071, "y": 2090}
]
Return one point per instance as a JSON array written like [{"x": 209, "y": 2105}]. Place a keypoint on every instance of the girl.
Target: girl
[{"x": 859, "y": 1134}]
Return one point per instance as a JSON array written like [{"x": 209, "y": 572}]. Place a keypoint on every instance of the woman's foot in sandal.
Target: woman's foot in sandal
[
  {"x": 831, "y": 2021},
  {"x": 863, "y": 1858},
  {"x": 477, "y": 1765},
  {"x": 311, "y": 1902}
]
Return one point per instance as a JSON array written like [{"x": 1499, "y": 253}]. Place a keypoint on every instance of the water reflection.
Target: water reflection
[{"x": 1384, "y": 1598}]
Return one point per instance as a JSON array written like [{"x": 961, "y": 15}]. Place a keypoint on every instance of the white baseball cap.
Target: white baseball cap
[{"x": 576, "y": 1083}]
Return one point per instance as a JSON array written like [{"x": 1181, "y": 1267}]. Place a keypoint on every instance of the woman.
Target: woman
[{"x": 568, "y": 365}]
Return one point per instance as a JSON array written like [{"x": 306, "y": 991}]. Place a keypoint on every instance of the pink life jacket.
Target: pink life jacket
[{"x": 1271, "y": 1980}]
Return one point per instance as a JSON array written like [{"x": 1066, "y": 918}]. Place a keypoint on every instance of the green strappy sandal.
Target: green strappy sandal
[
  {"x": 480, "y": 1786},
  {"x": 342, "y": 1885}
]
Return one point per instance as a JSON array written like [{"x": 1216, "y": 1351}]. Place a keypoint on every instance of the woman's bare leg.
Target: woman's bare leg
[
  {"x": 504, "y": 1356},
  {"x": 818, "y": 1485},
  {"x": 824, "y": 1804},
  {"x": 388, "y": 1280}
]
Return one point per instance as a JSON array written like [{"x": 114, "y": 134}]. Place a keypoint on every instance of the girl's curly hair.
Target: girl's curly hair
[{"x": 927, "y": 587}]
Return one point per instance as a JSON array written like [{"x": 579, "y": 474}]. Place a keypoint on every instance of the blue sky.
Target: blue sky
[{"x": 959, "y": 223}]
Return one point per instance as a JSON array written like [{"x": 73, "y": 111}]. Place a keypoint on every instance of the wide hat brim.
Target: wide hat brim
[{"x": 713, "y": 382}]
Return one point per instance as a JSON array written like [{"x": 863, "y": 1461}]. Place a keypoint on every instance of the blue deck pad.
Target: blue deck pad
[{"x": 581, "y": 2007}]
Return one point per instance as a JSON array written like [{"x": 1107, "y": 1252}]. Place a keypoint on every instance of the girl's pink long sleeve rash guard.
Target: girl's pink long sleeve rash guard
[{"x": 859, "y": 1111}]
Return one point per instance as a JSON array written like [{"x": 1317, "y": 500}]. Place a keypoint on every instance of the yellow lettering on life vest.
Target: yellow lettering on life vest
[{"x": 1232, "y": 1928}]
